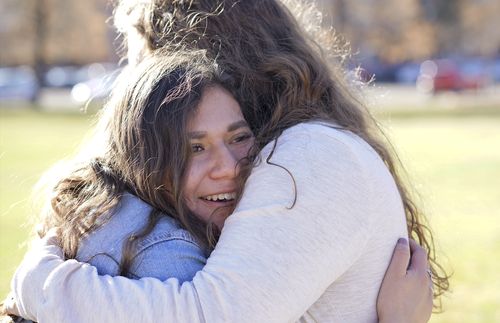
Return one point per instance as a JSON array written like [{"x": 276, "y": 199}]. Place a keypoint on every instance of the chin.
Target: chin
[
  {"x": 217, "y": 216},
  {"x": 220, "y": 223},
  {"x": 219, "y": 220}
]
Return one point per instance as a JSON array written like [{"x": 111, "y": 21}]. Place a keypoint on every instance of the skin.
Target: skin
[
  {"x": 406, "y": 292},
  {"x": 219, "y": 137}
]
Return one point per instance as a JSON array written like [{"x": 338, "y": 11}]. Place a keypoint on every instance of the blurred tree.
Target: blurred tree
[
  {"x": 339, "y": 7},
  {"x": 445, "y": 15},
  {"x": 17, "y": 32},
  {"x": 480, "y": 30},
  {"x": 39, "y": 59},
  {"x": 395, "y": 31},
  {"x": 55, "y": 32},
  {"x": 447, "y": 12}
]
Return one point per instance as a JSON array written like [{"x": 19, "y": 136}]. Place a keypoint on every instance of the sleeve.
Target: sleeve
[
  {"x": 166, "y": 258},
  {"x": 272, "y": 262}
]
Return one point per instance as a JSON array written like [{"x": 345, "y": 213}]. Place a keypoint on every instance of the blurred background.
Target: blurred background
[{"x": 434, "y": 67}]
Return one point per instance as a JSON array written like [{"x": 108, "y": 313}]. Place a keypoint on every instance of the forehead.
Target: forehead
[{"x": 216, "y": 107}]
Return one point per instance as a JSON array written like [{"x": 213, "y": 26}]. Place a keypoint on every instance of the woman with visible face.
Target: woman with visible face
[
  {"x": 177, "y": 121},
  {"x": 219, "y": 137}
]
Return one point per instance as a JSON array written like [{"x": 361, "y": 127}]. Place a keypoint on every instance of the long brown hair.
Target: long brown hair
[
  {"x": 145, "y": 151},
  {"x": 280, "y": 76}
]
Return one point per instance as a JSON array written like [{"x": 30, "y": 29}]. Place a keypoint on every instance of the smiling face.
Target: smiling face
[{"x": 219, "y": 137}]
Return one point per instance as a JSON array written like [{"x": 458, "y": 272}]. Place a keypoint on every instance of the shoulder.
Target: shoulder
[
  {"x": 168, "y": 251},
  {"x": 167, "y": 243},
  {"x": 315, "y": 167},
  {"x": 130, "y": 216},
  {"x": 166, "y": 230},
  {"x": 323, "y": 152},
  {"x": 127, "y": 217},
  {"x": 322, "y": 138}
]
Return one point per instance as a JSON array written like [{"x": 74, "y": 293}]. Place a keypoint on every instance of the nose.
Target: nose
[{"x": 225, "y": 163}]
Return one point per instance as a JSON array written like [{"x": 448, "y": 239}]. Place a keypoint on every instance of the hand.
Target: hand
[
  {"x": 9, "y": 307},
  {"x": 406, "y": 292}
]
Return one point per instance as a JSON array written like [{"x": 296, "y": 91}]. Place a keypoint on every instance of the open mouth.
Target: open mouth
[{"x": 222, "y": 197}]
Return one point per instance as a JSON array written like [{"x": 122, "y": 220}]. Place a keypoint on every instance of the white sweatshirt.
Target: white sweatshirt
[{"x": 321, "y": 260}]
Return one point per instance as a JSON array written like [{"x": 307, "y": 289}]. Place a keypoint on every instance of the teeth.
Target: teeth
[{"x": 221, "y": 197}]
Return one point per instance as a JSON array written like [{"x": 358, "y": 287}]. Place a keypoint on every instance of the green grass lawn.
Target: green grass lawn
[
  {"x": 30, "y": 142},
  {"x": 454, "y": 162}
]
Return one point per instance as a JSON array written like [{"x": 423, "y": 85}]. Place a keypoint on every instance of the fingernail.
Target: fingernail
[{"x": 403, "y": 241}]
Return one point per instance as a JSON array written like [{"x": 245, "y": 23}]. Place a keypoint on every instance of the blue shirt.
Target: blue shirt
[{"x": 168, "y": 251}]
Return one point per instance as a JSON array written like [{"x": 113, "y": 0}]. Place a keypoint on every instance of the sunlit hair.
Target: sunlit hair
[
  {"x": 144, "y": 150},
  {"x": 279, "y": 73}
]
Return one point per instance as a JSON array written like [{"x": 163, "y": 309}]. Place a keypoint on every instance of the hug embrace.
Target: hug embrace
[{"x": 234, "y": 177}]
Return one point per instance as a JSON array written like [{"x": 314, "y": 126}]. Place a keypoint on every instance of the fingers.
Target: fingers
[
  {"x": 418, "y": 262},
  {"x": 400, "y": 258},
  {"x": 10, "y": 306},
  {"x": 419, "y": 266}
]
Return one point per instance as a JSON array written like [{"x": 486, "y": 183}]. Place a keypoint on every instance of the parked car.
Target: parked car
[
  {"x": 446, "y": 75},
  {"x": 374, "y": 69},
  {"x": 61, "y": 76},
  {"x": 407, "y": 73},
  {"x": 18, "y": 83},
  {"x": 96, "y": 88},
  {"x": 67, "y": 76},
  {"x": 494, "y": 69}
]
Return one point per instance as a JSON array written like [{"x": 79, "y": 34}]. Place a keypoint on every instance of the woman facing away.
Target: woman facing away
[{"x": 313, "y": 232}]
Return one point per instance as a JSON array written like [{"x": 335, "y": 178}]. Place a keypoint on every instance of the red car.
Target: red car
[{"x": 445, "y": 75}]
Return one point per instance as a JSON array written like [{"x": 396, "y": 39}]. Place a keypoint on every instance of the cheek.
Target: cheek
[
  {"x": 194, "y": 179},
  {"x": 190, "y": 191},
  {"x": 242, "y": 151},
  {"x": 190, "y": 182}
]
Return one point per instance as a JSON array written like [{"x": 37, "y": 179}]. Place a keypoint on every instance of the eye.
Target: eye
[
  {"x": 196, "y": 148},
  {"x": 242, "y": 137}
]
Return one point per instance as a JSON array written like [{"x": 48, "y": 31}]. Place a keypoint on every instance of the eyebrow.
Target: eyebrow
[
  {"x": 237, "y": 125},
  {"x": 232, "y": 127}
]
